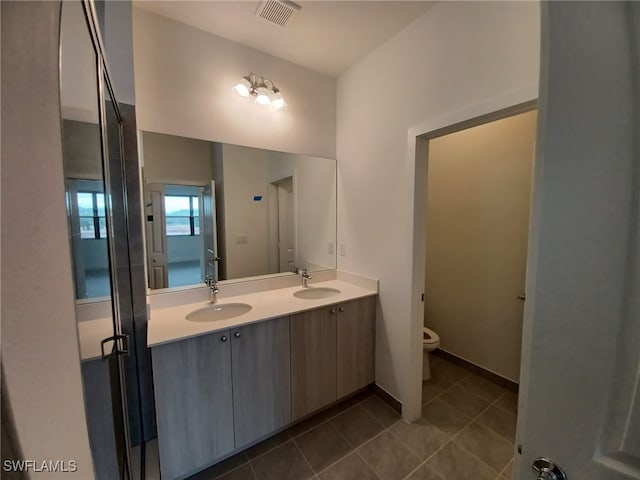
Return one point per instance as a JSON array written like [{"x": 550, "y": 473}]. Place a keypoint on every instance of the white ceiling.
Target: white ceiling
[{"x": 325, "y": 36}]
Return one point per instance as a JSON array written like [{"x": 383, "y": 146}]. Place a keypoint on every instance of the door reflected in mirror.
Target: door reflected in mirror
[{"x": 229, "y": 212}]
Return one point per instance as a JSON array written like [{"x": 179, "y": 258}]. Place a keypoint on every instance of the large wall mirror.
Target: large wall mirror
[
  {"x": 231, "y": 212},
  {"x": 83, "y": 156}
]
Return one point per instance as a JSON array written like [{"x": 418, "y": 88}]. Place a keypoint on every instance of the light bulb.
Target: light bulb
[
  {"x": 262, "y": 96},
  {"x": 243, "y": 88},
  {"x": 277, "y": 101}
]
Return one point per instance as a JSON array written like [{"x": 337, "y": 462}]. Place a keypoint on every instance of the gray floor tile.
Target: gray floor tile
[
  {"x": 434, "y": 358},
  {"x": 351, "y": 467},
  {"x": 243, "y": 473},
  {"x": 453, "y": 463},
  {"x": 322, "y": 446},
  {"x": 465, "y": 401},
  {"x": 283, "y": 463},
  {"x": 433, "y": 387},
  {"x": 388, "y": 457},
  {"x": 357, "y": 425},
  {"x": 500, "y": 421},
  {"x": 268, "y": 444},
  {"x": 221, "y": 468},
  {"x": 308, "y": 424},
  {"x": 386, "y": 415},
  {"x": 424, "y": 473},
  {"x": 421, "y": 437},
  {"x": 508, "y": 471},
  {"x": 482, "y": 388},
  {"x": 486, "y": 445},
  {"x": 448, "y": 371},
  {"x": 508, "y": 401},
  {"x": 340, "y": 407},
  {"x": 446, "y": 417}
]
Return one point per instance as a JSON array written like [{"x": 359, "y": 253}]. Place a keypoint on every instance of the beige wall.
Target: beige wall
[
  {"x": 478, "y": 192},
  {"x": 175, "y": 160}
]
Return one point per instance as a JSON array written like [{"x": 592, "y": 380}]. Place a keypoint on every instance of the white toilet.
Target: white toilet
[{"x": 430, "y": 341}]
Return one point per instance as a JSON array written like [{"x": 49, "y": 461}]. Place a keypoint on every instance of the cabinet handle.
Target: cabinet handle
[
  {"x": 341, "y": 309},
  {"x": 332, "y": 311},
  {"x": 237, "y": 334},
  {"x": 223, "y": 338}
]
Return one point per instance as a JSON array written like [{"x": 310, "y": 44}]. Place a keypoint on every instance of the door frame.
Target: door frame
[{"x": 418, "y": 140}]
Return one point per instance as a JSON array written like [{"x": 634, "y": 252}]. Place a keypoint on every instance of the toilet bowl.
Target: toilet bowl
[{"x": 430, "y": 341}]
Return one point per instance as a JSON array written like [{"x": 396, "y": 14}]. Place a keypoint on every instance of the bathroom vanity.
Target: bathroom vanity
[{"x": 225, "y": 384}]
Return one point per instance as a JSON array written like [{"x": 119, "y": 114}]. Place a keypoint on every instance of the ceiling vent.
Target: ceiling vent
[{"x": 279, "y": 12}]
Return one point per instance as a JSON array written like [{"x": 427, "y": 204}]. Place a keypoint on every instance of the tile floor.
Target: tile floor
[{"x": 466, "y": 431}]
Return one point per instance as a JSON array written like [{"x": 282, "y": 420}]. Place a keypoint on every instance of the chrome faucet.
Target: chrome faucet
[
  {"x": 305, "y": 278},
  {"x": 213, "y": 289}
]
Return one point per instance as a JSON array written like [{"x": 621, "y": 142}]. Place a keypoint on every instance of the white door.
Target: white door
[
  {"x": 209, "y": 230},
  {"x": 157, "y": 267},
  {"x": 580, "y": 377}
]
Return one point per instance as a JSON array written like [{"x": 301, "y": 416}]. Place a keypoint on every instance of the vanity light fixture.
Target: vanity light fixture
[{"x": 261, "y": 89}]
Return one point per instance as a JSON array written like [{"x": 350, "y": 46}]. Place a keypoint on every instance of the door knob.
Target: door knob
[
  {"x": 522, "y": 297},
  {"x": 548, "y": 470}
]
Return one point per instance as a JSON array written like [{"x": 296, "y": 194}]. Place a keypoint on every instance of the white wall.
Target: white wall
[
  {"x": 94, "y": 253},
  {"x": 315, "y": 195},
  {"x": 454, "y": 62},
  {"x": 184, "y": 248},
  {"x": 118, "y": 39},
  {"x": 39, "y": 336},
  {"x": 245, "y": 175},
  {"x": 184, "y": 77}
]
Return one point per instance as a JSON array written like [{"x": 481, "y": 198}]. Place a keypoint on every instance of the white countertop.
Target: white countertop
[{"x": 169, "y": 324}]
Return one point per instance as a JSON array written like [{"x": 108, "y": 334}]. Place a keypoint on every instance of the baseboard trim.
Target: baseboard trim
[
  {"x": 387, "y": 398},
  {"x": 482, "y": 372}
]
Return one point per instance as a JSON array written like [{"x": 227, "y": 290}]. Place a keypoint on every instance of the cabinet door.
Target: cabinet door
[
  {"x": 313, "y": 360},
  {"x": 261, "y": 379},
  {"x": 356, "y": 344},
  {"x": 194, "y": 405}
]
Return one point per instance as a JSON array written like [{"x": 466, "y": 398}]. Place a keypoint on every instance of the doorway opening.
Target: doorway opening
[
  {"x": 174, "y": 237},
  {"x": 282, "y": 226},
  {"x": 471, "y": 223}
]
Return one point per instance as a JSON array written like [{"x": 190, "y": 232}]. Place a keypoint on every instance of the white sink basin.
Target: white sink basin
[
  {"x": 314, "y": 293},
  {"x": 218, "y": 311}
]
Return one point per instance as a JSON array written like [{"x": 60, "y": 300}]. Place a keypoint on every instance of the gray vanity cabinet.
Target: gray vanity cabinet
[
  {"x": 313, "y": 360},
  {"x": 356, "y": 345},
  {"x": 219, "y": 392},
  {"x": 194, "y": 403},
  {"x": 261, "y": 379}
]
